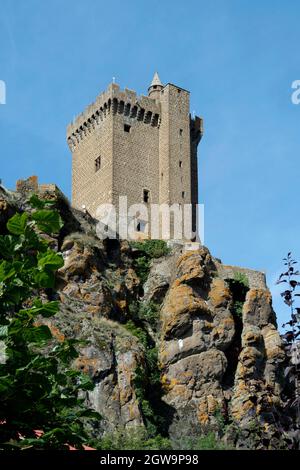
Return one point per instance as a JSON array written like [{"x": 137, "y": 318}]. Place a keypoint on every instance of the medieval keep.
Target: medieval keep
[{"x": 142, "y": 147}]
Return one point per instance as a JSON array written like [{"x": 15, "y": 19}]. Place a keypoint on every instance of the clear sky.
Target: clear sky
[{"x": 237, "y": 57}]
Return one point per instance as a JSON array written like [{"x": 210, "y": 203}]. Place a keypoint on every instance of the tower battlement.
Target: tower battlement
[
  {"x": 113, "y": 101},
  {"x": 142, "y": 147}
]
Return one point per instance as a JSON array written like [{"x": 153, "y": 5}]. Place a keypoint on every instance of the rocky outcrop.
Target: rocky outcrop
[
  {"x": 7, "y": 208},
  {"x": 197, "y": 326},
  {"x": 256, "y": 393},
  {"x": 199, "y": 330},
  {"x": 219, "y": 350}
]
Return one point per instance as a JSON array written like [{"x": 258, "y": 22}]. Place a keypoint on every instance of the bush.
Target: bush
[
  {"x": 37, "y": 390},
  {"x": 147, "y": 382},
  {"x": 149, "y": 249},
  {"x": 207, "y": 441},
  {"x": 241, "y": 278},
  {"x": 142, "y": 267},
  {"x": 133, "y": 439},
  {"x": 145, "y": 312},
  {"x": 239, "y": 287},
  {"x": 152, "y": 248},
  {"x": 138, "y": 332}
]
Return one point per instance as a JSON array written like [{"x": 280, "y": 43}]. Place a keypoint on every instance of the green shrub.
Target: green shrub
[
  {"x": 133, "y": 439},
  {"x": 237, "y": 308},
  {"x": 145, "y": 312},
  {"x": 239, "y": 287},
  {"x": 241, "y": 278},
  {"x": 152, "y": 248},
  {"x": 147, "y": 382},
  {"x": 207, "y": 441},
  {"x": 138, "y": 332},
  {"x": 142, "y": 267},
  {"x": 37, "y": 389},
  {"x": 149, "y": 249}
]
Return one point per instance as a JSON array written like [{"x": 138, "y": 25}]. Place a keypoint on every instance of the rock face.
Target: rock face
[
  {"x": 219, "y": 351},
  {"x": 200, "y": 331},
  {"x": 257, "y": 380}
]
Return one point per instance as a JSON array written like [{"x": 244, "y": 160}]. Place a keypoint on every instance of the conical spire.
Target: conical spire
[
  {"x": 155, "y": 87},
  {"x": 156, "y": 80}
]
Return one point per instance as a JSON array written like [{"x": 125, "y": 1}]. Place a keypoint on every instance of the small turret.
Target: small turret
[{"x": 155, "y": 87}]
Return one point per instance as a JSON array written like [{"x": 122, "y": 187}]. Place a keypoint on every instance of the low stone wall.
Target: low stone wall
[{"x": 257, "y": 279}]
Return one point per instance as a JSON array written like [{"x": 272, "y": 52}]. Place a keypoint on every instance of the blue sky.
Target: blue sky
[{"x": 237, "y": 57}]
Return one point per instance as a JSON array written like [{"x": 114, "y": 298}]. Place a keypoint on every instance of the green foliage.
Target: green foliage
[
  {"x": 221, "y": 421},
  {"x": 37, "y": 390},
  {"x": 38, "y": 203},
  {"x": 146, "y": 313},
  {"x": 47, "y": 221},
  {"x": 134, "y": 439},
  {"x": 207, "y": 441},
  {"x": 147, "y": 382},
  {"x": 149, "y": 249},
  {"x": 142, "y": 267},
  {"x": 152, "y": 248},
  {"x": 237, "y": 308},
  {"x": 241, "y": 278},
  {"x": 17, "y": 224},
  {"x": 139, "y": 439},
  {"x": 148, "y": 390},
  {"x": 138, "y": 332},
  {"x": 239, "y": 287}
]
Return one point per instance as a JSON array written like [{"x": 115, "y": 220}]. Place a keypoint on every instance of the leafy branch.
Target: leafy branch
[
  {"x": 39, "y": 404},
  {"x": 291, "y": 338}
]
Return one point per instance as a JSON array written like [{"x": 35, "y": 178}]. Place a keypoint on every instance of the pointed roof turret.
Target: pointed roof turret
[
  {"x": 156, "y": 80},
  {"x": 155, "y": 87}
]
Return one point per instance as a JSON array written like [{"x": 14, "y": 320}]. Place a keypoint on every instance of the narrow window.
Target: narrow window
[
  {"x": 127, "y": 128},
  {"x": 180, "y": 164},
  {"x": 183, "y": 194},
  {"x": 180, "y": 132},
  {"x": 146, "y": 195},
  {"x": 141, "y": 226},
  {"x": 97, "y": 163}
]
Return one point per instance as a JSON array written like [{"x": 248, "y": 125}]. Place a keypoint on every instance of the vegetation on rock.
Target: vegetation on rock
[
  {"x": 147, "y": 250},
  {"x": 173, "y": 364},
  {"x": 239, "y": 287}
]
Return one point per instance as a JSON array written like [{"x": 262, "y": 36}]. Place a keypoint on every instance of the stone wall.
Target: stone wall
[
  {"x": 144, "y": 144},
  {"x": 257, "y": 279}
]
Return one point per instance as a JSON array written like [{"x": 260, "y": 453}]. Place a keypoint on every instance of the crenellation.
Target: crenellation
[{"x": 115, "y": 100}]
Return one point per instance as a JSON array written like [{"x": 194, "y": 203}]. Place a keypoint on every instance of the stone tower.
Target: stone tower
[{"x": 142, "y": 147}]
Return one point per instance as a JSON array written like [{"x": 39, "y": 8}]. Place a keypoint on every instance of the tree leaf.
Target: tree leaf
[
  {"x": 45, "y": 279},
  {"x": 37, "y": 334},
  {"x": 7, "y": 271},
  {"x": 48, "y": 221},
  {"x": 17, "y": 223},
  {"x": 6, "y": 246},
  {"x": 46, "y": 310},
  {"x": 38, "y": 203},
  {"x": 3, "y": 331},
  {"x": 50, "y": 261}
]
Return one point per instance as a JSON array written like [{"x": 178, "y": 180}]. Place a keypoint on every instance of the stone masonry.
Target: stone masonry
[{"x": 142, "y": 147}]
